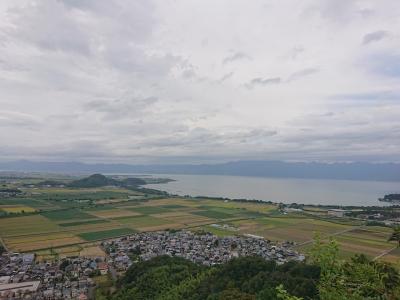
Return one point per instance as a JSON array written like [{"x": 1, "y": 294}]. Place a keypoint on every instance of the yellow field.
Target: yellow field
[
  {"x": 177, "y": 201},
  {"x": 159, "y": 227},
  {"x": 26, "y": 225},
  {"x": 183, "y": 218},
  {"x": 93, "y": 227},
  {"x": 58, "y": 253},
  {"x": 16, "y": 208},
  {"x": 92, "y": 251},
  {"x": 41, "y": 241}
]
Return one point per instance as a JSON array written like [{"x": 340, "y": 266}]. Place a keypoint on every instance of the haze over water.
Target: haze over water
[{"x": 306, "y": 191}]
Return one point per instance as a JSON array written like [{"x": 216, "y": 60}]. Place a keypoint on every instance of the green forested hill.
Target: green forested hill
[
  {"x": 99, "y": 180},
  {"x": 95, "y": 180},
  {"x": 253, "y": 278},
  {"x": 242, "y": 278}
]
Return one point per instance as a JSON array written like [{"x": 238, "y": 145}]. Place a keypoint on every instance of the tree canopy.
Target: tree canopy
[{"x": 324, "y": 277}]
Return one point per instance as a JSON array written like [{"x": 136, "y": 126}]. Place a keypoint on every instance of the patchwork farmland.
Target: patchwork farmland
[{"x": 63, "y": 222}]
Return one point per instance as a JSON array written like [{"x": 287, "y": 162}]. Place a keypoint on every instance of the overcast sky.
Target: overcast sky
[{"x": 199, "y": 81}]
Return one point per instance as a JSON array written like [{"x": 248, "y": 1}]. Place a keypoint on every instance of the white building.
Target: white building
[
  {"x": 30, "y": 287},
  {"x": 336, "y": 212}
]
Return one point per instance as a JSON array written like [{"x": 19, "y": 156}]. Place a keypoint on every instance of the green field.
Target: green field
[
  {"x": 105, "y": 234},
  {"x": 173, "y": 206},
  {"x": 141, "y": 221},
  {"x": 70, "y": 224},
  {"x": 213, "y": 214},
  {"x": 67, "y": 214}
]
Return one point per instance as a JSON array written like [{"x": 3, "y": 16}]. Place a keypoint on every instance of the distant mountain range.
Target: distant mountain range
[{"x": 279, "y": 169}]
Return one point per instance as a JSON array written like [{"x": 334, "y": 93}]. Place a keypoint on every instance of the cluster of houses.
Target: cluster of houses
[
  {"x": 8, "y": 192},
  {"x": 23, "y": 278},
  {"x": 205, "y": 248}
]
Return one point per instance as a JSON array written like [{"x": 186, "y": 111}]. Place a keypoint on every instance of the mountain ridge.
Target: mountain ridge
[{"x": 259, "y": 168}]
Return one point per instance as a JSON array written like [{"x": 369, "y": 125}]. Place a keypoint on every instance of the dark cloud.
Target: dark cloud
[
  {"x": 226, "y": 77},
  {"x": 235, "y": 57},
  {"x": 374, "y": 37}
]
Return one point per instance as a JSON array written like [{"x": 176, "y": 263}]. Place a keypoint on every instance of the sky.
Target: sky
[{"x": 191, "y": 81}]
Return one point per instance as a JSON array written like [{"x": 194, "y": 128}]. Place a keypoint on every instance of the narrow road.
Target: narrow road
[
  {"x": 4, "y": 244},
  {"x": 113, "y": 273},
  {"x": 330, "y": 235},
  {"x": 384, "y": 253}
]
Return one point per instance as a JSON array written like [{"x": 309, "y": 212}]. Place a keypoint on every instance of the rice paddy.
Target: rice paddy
[
  {"x": 65, "y": 228},
  {"x": 98, "y": 235}
]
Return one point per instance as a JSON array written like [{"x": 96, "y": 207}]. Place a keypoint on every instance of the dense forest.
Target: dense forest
[{"x": 324, "y": 277}]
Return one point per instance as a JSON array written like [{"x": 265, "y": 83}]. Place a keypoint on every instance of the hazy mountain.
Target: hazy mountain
[
  {"x": 352, "y": 171},
  {"x": 99, "y": 180},
  {"x": 95, "y": 180}
]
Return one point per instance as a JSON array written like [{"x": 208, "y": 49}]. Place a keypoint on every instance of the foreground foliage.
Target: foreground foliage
[
  {"x": 324, "y": 277},
  {"x": 359, "y": 278},
  {"x": 242, "y": 278}
]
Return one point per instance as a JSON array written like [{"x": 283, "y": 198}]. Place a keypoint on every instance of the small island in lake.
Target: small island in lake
[{"x": 391, "y": 198}]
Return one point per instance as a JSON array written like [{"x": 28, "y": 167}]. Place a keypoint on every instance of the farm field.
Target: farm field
[
  {"x": 63, "y": 221},
  {"x": 41, "y": 241},
  {"x": 17, "y": 208},
  {"x": 97, "y": 235},
  {"x": 65, "y": 215},
  {"x": 213, "y": 214},
  {"x": 184, "y": 218},
  {"x": 79, "y": 223},
  {"x": 148, "y": 210},
  {"x": 113, "y": 213},
  {"x": 92, "y": 251},
  {"x": 143, "y": 223},
  {"x": 26, "y": 225}
]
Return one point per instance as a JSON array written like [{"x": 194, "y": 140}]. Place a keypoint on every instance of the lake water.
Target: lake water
[{"x": 306, "y": 191}]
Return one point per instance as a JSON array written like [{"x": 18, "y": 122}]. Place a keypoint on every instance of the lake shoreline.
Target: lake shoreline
[{"x": 277, "y": 190}]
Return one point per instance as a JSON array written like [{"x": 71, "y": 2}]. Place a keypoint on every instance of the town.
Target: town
[
  {"x": 206, "y": 248},
  {"x": 23, "y": 278},
  {"x": 72, "y": 278}
]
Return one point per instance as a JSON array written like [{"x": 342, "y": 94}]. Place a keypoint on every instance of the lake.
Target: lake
[{"x": 306, "y": 191}]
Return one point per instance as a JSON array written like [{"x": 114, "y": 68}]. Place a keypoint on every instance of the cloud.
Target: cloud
[
  {"x": 31, "y": 24},
  {"x": 226, "y": 77},
  {"x": 235, "y": 57},
  {"x": 13, "y": 119},
  {"x": 259, "y": 81},
  {"x": 374, "y": 37},
  {"x": 121, "y": 108},
  {"x": 151, "y": 81},
  {"x": 302, "y": 73}
]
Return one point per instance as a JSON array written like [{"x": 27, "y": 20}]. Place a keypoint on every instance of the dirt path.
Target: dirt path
[
  {"x": 4, "y": 244},
  {"x": 330, "y": 235},
  {"x": 386, "y": 252}
]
